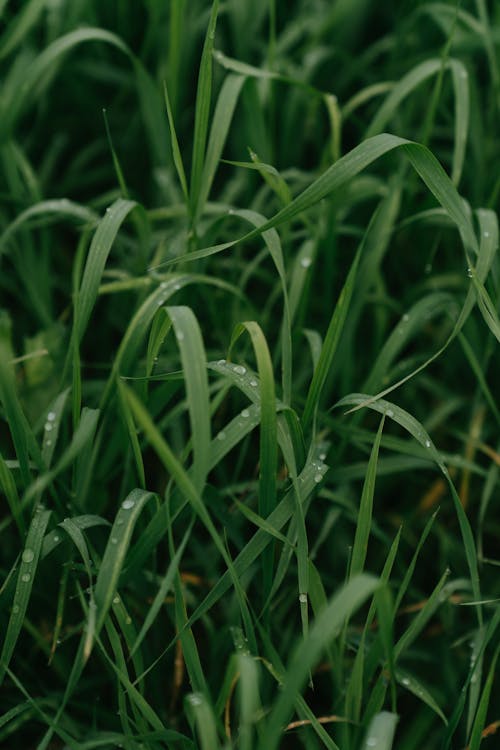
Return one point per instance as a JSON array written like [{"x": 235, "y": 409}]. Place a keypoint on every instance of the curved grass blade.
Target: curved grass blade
[
  {"x": 24, "y": 585},
  {"x": 82, "y": 436},
  {"x": 324, "y": 629},
  {"x": 114, "y": 555},
  {"x": 51, "y": 210},
  {"x": 415, "y": 428},
  {"x": 415, "y": 78},
  {"x": 273, "y": 244},
  {"x": 100, "y": 248},
  {"x": 347, "y": 167}
]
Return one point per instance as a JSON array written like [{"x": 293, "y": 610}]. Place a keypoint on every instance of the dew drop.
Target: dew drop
[
  {"x": 177, "y": 287},
  {"x": 179, "y": 335},
  {"x": 406, "y": 317},
  {"x": 163, "y": 285},
  {"x": 221, "y": 362},
  {"x": 15, "y": 608},
  {"x": 116, "y": 600},
  {"x": 56, "y": 538},
  {"x": 253, "y": 383},
  {"x": 405, "y": 681},
  {"x": 48, "y": 426},
  {"x": 48, "y": 442},
  {"x": 221, "y": 435},
  {"x": 390, "y": 413},
  {"x": 427, "y": 443},
  {"x": 322, "y": 456},
  {"x": 26, "y": 578},
  {"x": 51, "y": 416},
  {"x": 120, "y": 522},
  {"x": 28, "y": 556},
  {"x": 318, "y": 478},
  {"x": 305, "y": 262},
  {"x": 240, "y": 369},
  {"x": 128, "y": 620},
  {"x": 114, "y": 540},
  {"x": 194, "y": 699},
  {"x": 371, "y": 742},
  {"x": 469, "y": 272},
  {"x": 245, "y": 413},
  {"x": 127, "y": 504},
  {"x": 486, "y": 234},
  {"x": 303, "y": 598}
]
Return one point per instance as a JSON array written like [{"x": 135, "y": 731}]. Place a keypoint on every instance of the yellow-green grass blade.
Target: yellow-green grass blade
[
  {"x": 380, "y": 733},
  {"x": 204, "y": 720},
  {"x": 249, "y": 699},
  {"x": 324, "y": 629},
  {"x": 24, "y": 585}
]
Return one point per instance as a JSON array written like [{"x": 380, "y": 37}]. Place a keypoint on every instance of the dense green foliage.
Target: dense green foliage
[{"x": 249, "y": 422}]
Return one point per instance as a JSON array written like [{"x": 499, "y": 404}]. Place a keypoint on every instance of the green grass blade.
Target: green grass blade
[
  {"x": 323, "y": 630},
  {"x": 24, "y": 586},
  {"x": 335, "y": 328},
  {"x": 98, "y": 254},
  {"x": 380, "y": 733},
  {"x": 364, "y": 520},
  {"x": 194, "y": 365},
  {"x": 116, "y": 549},
  {"x": 482, "y": 710},
  {"x": 176, "y": 152},
  {"x": 202, "y": 113},
  {"x": 224, "y": 110},
  {"x": 415, "y": 428}
]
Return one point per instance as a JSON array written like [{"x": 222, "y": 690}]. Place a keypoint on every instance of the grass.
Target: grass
[{"x": 249, "y": 328}]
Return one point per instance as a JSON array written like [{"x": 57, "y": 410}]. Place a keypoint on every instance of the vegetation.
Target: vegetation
[{"x": 249, "y": 436}]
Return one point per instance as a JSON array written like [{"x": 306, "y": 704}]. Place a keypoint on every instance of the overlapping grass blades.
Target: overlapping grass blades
[{"x": 224, "y": 560}]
